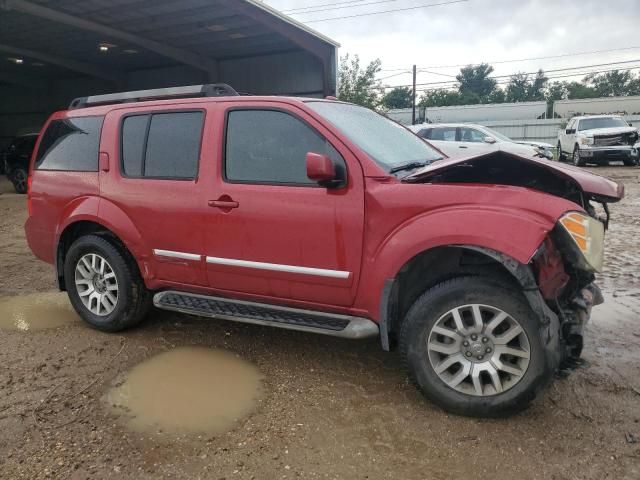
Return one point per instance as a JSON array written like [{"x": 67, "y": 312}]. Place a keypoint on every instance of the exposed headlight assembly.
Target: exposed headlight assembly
[
  {"x": 586, "y": 234},
  {"x": 587, "y": 141}
]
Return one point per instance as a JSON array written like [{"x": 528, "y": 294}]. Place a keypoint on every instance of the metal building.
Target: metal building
[{"x": 53, "y": 51}]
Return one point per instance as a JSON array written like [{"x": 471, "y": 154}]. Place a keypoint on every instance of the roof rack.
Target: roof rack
[{"x": 192, "y": 91}]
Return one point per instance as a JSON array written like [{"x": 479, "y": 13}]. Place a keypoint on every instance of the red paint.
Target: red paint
[
  {"x": 370, "y": 228},
  {"x": 549, "y": 267}
]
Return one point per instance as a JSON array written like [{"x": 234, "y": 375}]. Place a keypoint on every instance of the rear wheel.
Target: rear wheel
[
  {"x": 19, "y": 180},
  {"x": 474, "y": 347},
  {"x": 577, "y": 160},
  {"x": 104, "y": 285},
  {"x": 629, "y": 162}
]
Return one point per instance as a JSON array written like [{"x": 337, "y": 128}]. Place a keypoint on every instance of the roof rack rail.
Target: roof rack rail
[{"x": 192, "y": 91}]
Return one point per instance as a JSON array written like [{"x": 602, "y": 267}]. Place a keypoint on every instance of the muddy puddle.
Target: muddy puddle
[
  {"x": 621, "y": 306},
  {"x": 37, "y": 311},
  {"x": 187, "y": 390}
]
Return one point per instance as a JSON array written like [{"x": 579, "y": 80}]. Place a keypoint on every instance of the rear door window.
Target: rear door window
[
  {"x": 71, "y": 144},
  {"x": 444, "y": 134},
  {"x": 162, "y": 145}
]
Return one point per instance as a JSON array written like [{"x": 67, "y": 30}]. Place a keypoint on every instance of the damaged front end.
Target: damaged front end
[
  {"x": 559, "y": 279},
  {"x": 569, "y": 291}
]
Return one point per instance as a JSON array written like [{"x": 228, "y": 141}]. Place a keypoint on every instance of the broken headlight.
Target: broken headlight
[{"x": 586, "y": 234}]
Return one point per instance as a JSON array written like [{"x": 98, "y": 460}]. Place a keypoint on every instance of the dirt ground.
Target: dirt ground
[{"x": 330, "y": 408}]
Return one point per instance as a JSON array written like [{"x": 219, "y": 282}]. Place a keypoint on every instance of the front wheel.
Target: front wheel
[
  {"x": 561, "y": 156},
  {"x": 104, "y": 285},
  {"x": 577, "y": 160},
  {"x": 474, "y": 347}
]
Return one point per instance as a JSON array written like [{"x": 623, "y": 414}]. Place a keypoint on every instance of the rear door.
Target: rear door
[
  {"x": 270, "y": 231},
  {"x": 471, "y": 142},
  {"x": 443, "y": 138},
  {"x": 154, "y": 180}
]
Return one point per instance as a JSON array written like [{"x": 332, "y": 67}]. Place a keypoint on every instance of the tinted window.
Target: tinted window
[
  {"x": 445, "y": 134},
  {"x": 134, "y": 132},
  {"x": 426, "y": 133},
  {"x": 163, "y": 145},
  {"x": 471, "y": 135},
  {"x": 271, "y": 147},
  {"x": 71, "y": 144}
]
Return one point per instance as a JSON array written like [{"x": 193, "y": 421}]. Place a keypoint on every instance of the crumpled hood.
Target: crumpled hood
[
  {"x": 507, "y": 168},
  {"x": 609, "y": 131}
]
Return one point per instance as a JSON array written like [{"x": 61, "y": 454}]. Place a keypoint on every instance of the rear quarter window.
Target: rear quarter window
[{"x": 71, "y": 144}]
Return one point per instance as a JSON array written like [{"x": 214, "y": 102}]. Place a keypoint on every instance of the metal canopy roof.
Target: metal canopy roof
[{"x": 57, "y": 38}]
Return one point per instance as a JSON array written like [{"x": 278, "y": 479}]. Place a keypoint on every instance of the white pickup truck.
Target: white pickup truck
[{"x": 598, "y": 139}]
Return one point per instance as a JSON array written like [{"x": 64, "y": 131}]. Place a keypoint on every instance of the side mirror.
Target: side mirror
[
  {"x": 320, "y": 168},
  {"x": 490, "y": 140},
  {"x": 570, "y": 131}
]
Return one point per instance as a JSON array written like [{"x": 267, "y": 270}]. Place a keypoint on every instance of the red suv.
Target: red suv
[{"x": 325, "y": 217}]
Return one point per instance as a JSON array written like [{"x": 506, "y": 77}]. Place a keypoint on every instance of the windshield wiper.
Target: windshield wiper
[{"x": 409, "y": 166}]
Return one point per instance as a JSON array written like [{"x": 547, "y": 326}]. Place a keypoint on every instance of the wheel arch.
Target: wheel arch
[
  {"x": 78, "y": 228},
  {"x": 436, "y": 265}
]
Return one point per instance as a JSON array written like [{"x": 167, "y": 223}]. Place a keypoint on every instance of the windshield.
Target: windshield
[
  {"x": 601, "y": 122},
  {"x": 387, "y": 143},
  {"x": 497, "y": 135}
]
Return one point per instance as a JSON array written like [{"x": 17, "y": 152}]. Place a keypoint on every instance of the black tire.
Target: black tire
[
  {"x": 134, "y": 300},
  {"x": 577, "y": 160},
  {"x": 561, "y": 156},
  {"x": 629, "y": 162},
  {"x": 19, "y": 179},
  {"x": 442, "y": 298}
]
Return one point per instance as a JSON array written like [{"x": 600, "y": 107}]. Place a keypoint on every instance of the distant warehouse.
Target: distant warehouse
[{"x": 52, "y": 52}]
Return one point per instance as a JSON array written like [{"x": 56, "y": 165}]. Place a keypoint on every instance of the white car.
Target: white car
[
  {"x": 598, "y": 139},
  {"x": 460, "y": 140}
]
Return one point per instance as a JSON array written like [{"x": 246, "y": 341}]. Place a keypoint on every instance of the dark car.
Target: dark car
[{"x": 16, "y": 160}]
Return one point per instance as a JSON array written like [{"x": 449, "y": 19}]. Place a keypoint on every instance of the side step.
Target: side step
[{"x": 271, "y": 315}]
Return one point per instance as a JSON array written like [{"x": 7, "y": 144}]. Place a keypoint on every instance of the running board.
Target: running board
[{"x": 343, "y": 326}]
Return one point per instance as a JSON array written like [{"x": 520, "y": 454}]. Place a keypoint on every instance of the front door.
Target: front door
[{"x": 271, "y": 232}]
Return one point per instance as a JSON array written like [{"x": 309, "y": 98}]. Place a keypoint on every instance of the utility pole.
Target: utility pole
[{"x": 413, "y": 101}]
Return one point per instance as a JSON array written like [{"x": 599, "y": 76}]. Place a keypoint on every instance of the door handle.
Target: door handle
[
  {"x": 463, "y": 146},
  {"x": 225, "y": 203}
]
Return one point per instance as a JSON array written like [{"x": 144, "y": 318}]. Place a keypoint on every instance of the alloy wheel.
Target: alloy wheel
[
  {"x": 96, "y": 284},
  {"x": 479, "y": 350}
]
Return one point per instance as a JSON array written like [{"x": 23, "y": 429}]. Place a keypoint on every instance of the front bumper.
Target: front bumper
[{"x": 608, "y": 153}]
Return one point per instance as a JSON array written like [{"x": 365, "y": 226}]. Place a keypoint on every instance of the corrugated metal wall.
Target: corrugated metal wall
[{"x": 538, "y": 130}]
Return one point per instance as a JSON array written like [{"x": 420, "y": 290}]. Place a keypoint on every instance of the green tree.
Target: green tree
[
  {"x": 399, "y": 97},
  {"x": 538, "y": 86},
  {"x": 439, "y": 98},
  {"x": 475, "y": 82},
  {"x": 518, "y": 88},
  {"x": 359, "y": 85},
  {"x": 577, "y": 90},
  {"x": 612, "y": 84},
  {"x": 522, "y": 88},
  {"x": 556, "y": 91}
]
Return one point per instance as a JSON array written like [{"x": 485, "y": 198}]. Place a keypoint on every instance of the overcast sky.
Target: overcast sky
[{"x": 479, "y": 31}]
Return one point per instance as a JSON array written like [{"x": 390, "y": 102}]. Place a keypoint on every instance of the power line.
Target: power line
[
  {"x": 358, "y": 5},
  {"x": 575, "y": 54},
  {"x": 291, "y": 10},
  {"x": 387, "y": 11},
  {"x": 506, "y": 80},
  {"x": 538, "y": 58},
  {"x": 496, "y": 77}
]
